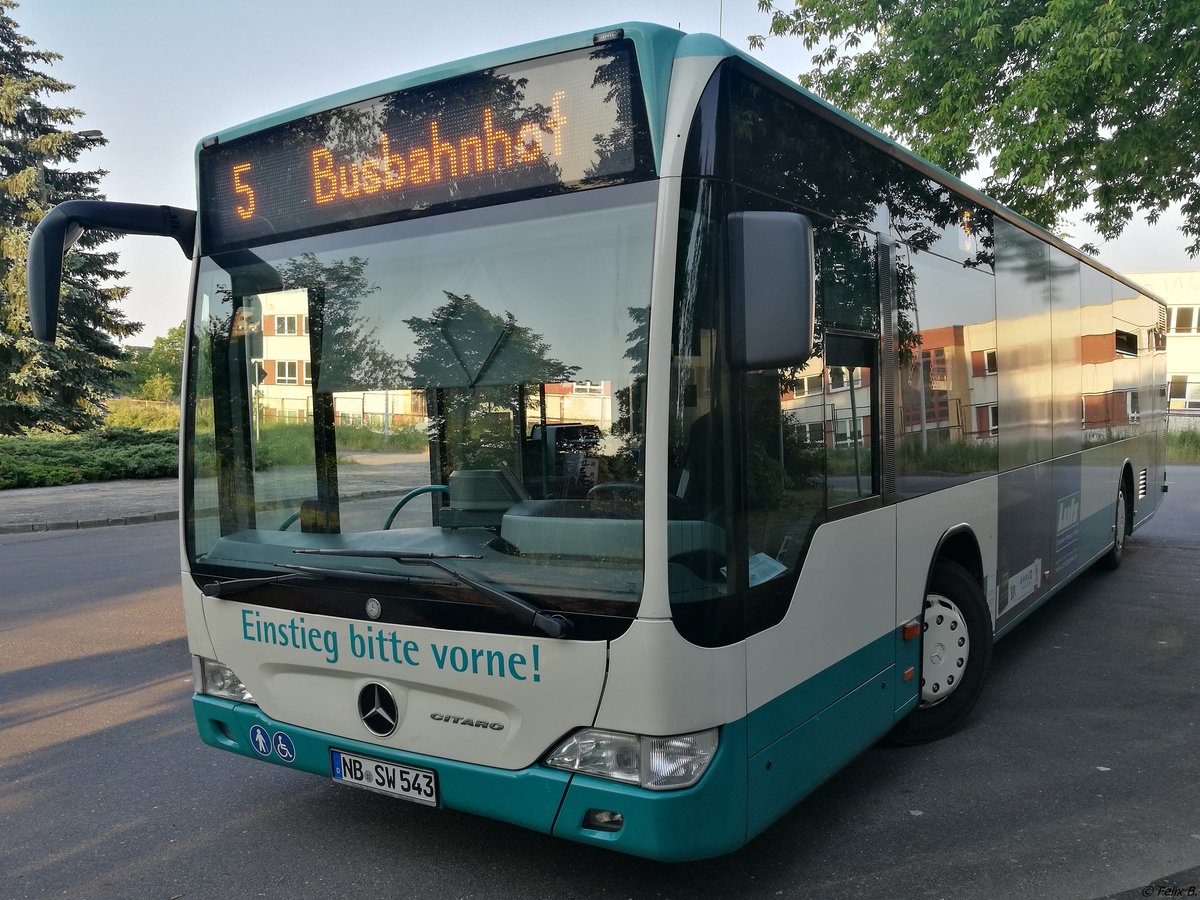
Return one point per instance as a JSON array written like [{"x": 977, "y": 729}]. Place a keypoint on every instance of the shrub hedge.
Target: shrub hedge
[{"x": 100, "y": 455}]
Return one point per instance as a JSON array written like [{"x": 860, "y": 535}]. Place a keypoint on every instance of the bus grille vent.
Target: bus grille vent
[{"x": 1143, "y": 479}]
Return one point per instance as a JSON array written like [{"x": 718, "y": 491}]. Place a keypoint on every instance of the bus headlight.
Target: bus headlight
[
  {"x": 657, "y": 763},
  {"x": 218, "y": 680}
]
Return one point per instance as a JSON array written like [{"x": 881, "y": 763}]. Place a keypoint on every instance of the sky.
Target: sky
[{"x": 156, "y": 76}]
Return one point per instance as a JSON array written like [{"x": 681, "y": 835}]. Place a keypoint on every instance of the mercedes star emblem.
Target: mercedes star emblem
[{"x": 378, "y": 710}]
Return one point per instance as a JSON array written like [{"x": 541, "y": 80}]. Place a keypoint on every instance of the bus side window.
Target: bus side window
[{"x": 850, "y": 421}]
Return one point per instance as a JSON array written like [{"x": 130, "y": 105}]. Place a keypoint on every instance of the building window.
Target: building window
[
  {"x": 935, "y": 364},
  {"x": 1127, "y": 343},
  {"x": 1184, "y": 392},
  {"x": 840, "y": 378},
  {"x": 587, "y": 387},
  {"x": 994, "y": 419},
  {"x": 1183, "y": 319},
  {"x": 989, "y": 362},
  {"x": 847, "y": 433},
  {"x": 811, "y": 433},
  {"x": 809, "y": 385},
  {"x": 937, "y": 408},
  {"x": 285, "y": 371},
  {"x": 286, "y": 325},
  {"x": 1131, "y": 406}
]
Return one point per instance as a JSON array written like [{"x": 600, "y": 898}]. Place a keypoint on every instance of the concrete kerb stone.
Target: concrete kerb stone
[
  {"x": 72, "y": 525},
  {"x": 147, "y": 518}
]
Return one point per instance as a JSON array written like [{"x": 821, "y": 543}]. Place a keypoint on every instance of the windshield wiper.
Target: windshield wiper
[
  {"x": 237, "y": 585},
  {"x": 549, "y": 624}
]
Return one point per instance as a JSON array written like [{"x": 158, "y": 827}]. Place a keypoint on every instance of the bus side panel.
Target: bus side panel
[
  {"x": 791, "y": 767},
  {"x": 1099, "y": 472},
  {"x": 925, "y": 520},
  {"x": 1026, "y": 543},
  {"x": 845, "y": 601},
  {"x": 1065, "y": 507}
]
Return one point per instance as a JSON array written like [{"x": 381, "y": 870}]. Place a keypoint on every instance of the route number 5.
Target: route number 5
[{"x": 244, "y": 190}]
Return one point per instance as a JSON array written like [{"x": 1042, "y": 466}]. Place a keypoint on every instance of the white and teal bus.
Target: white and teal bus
[{"x": 608, "y": 437}]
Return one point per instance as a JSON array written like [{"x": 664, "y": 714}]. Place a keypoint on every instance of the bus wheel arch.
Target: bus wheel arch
[
  {"x": 1122, "y": 519},
  {"x": 956, "y": 643}
]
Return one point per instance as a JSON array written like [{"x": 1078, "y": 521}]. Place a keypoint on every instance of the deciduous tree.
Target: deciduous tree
[
  {"x": 1067, "y": 102},
  {"x": 162, "y": 363}
]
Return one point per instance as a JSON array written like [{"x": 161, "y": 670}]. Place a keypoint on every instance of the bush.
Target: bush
[
  {"x": 157, "y": 387},
  {"x": 147, "y": 415},
  {"x": 104, "y": 454}
]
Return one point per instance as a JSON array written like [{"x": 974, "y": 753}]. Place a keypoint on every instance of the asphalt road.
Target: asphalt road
[{"x": 1077, "y": 776}]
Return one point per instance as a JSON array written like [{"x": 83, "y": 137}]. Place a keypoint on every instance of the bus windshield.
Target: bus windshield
[{"x": 467, "y": 386}]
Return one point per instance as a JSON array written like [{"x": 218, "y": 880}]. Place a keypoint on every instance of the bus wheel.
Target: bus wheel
[
  {"x": 1112, "y": 559},
  {"x": 956, "y": 649}
]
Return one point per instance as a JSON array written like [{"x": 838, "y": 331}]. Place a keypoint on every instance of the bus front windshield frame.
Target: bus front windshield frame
[{"x": 467, "y": 387}]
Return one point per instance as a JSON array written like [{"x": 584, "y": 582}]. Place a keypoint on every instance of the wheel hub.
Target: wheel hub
[{"x": 946, "y": 647}]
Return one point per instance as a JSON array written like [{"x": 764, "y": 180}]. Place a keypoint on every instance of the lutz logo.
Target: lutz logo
[{"x": 1068, "y": 513}]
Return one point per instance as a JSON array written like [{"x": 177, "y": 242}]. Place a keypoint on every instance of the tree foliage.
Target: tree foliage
[
  {"x": 348, "y": 351},
  {"x": 1069, "y": 102},
  {"x": 149, "y": 371},
  {"x": 480, "y": 370},
  {"x": 59, "y": 387}
]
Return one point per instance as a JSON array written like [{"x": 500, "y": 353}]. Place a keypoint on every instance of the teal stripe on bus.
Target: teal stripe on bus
[
  {"x": 777, "y": 717},
  {"x": 671, "y": 826},
  {"x": 526, "y": 797},
  {"x": 794, "y": 765}
]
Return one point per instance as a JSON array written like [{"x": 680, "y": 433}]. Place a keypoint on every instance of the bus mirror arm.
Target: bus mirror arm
[
  {"x": 772, "y": 271},
  {"x": 65, "y": 224}
]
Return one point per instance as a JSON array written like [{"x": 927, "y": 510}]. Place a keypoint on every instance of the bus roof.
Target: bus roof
[{"x": 657, "y": 48}]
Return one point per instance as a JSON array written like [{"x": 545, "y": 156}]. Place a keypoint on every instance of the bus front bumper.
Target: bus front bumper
[{"x": 699, "y": 822}]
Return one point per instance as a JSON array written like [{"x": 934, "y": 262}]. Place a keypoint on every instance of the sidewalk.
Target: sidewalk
[
  {"x": 88, "y": 505},
  {"x": 135, "y": 502}
]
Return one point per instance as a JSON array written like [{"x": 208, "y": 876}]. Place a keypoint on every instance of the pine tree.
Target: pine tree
[{"x": 60, "y": 387}]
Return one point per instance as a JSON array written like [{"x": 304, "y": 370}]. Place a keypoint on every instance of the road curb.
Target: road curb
[
  {"x": 164, "y": 516},
  {"x": 72, "y": 525}
]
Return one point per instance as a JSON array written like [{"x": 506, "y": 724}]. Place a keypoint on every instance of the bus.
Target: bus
[{"x": 611, "y": 438}]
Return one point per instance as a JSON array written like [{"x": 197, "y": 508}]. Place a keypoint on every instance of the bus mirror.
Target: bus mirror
[
  {"x": 65, "y": 224},
  {"x": 772, "y": 289}
]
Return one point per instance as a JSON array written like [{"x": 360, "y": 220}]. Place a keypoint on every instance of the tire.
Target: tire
[
  {"x": 1112, "y": 559},
  {"x": 956, "y": 650}
]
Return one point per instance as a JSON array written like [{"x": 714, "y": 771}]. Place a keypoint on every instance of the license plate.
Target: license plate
[{"x": 418, "y": 785}]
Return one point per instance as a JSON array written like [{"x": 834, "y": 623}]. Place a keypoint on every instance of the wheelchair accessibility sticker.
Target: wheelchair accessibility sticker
[{"x": 278, "y": 744}]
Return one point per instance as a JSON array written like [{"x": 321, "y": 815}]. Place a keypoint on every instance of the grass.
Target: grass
[
  {"x": 281, "y": 444},
  {"x": 1183, "y": 446}
]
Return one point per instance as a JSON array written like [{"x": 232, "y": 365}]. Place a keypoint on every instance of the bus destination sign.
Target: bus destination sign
[{"x": 561, "y": 122}]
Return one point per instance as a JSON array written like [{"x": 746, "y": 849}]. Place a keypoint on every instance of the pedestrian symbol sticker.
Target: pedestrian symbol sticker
[
  {"x": 283, "y": 746},
  {"x": 260, "y": 738}
]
